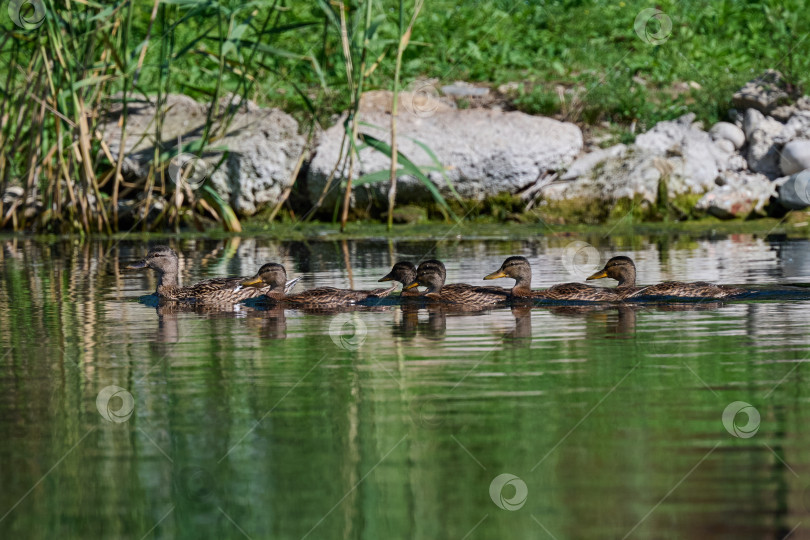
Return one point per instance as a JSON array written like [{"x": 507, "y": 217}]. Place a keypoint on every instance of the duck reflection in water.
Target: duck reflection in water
[
  {"x": 407, "y": 324},
  {"x": 619, "y": 321},
  {"x": 271, "y": 323}
]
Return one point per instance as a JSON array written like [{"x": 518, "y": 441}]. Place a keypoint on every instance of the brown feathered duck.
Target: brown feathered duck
[
  {"x": 164, "y": 261},
  {"x": 519, "y": 269},
  {"x": 274, "y": 276},
  {"x": 623, "y": 270},
  {"x": 432, "y": 274}
]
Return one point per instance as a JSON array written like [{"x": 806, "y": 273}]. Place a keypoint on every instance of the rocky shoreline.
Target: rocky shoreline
[{"x": 756, "y": 163}]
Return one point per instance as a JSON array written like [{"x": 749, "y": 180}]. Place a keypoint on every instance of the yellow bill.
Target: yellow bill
[{"x": 599, "y": 275}]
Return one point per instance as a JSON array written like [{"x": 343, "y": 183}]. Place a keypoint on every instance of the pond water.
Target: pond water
[{"x": 120, "y": 420}]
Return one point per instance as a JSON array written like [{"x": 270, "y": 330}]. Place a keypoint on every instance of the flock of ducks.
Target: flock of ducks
[{"x": 271, "y": 284}]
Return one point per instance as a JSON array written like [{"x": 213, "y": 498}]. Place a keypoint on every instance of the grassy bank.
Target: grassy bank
[
  {"x": 589, "y": 50},
  {"x": 63, "y": 65},
  {"x": 795, "y": 225}
]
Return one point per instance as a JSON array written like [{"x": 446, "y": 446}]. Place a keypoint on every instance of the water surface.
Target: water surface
[{"x": 394, "y": 423}]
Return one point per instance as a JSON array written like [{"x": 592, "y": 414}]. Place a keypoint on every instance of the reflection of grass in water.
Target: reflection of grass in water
[{"x": 607, "y": 431}]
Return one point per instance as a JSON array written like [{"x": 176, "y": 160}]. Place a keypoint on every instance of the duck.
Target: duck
[
  {"x": 272, "y": 277},
  {"x": 623, "y": 270},
  {"x": 432, "y": 274},
  {"x": 165, "y": 261},
  {"x": 403, "y": 272},
  {"x": 519, "y": 269}
]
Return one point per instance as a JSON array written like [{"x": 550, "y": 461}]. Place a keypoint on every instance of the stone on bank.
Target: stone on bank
[{"x": 482, "y": 152}]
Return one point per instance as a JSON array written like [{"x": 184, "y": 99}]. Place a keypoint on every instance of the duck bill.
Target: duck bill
[
  {"x": 411, "y": 286},
  {"x": 496, "y": 275},
  {"x": 599, "y": 275},
  {"x": 389, "y": 277},
  {"x": 140, "y": 265},
  {"x": 255, "y": 282}
]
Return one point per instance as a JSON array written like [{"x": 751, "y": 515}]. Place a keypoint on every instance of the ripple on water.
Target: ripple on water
[{"x": 398, "y": 420}]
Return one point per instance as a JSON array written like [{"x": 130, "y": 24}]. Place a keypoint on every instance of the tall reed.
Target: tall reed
[{"x": 64, "y": 66}]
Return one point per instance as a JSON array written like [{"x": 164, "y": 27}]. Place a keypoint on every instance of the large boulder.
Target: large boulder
[
  {"x": 761, "y": 133},
  {"x": 263, "y": 145},
  {"x": 483, "y": 152},
  {"x": 795, "y": 156},
  {"x": 794, "y": 190}
]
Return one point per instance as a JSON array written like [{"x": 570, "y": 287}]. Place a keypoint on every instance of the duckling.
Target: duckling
[
  {"x": 405, "y": 273},
  {"x": 164, "y": 261},
  {"x": 432, "y": 274},
  {"x": 519, "y": 269},
  {"x": 623, "y": 270},
  {"x": 274, "y": 276}
]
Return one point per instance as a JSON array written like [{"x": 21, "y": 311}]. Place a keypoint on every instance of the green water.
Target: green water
[{"x": 392, "y": 423}]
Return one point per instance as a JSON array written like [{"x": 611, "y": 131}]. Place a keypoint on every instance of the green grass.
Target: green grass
[
  {"x": 589, "y": 48},
  {"x": 579, "y": 60}
]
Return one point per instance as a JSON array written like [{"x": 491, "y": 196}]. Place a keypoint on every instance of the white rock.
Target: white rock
[
  {"x": 795, "y": 156},
  {"x": 798, "y": 127},
  {"x": 729, "y": 132},
  {"x": 763, "y": 150},
  {"x": 765, "y": 93},
  {"x": 702, "y": 160},
  {"x": 464, "y": 89},
  {"x": 263, "y": 147},
  {"x": 677, "y": 151},
  {"x": 738, "y": 195},
  {"x": 483, "y": 152},
  {"x": 585, "y": 164},
  {"x": 725, "y": 145},
  {"x": 794, "y": 190}
]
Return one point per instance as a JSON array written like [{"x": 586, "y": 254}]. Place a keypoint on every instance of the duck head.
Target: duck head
[
  {"x": 271, "y": 275},
  {"x": 164, "y": 261},
  {"x": 430, "y": 274},
  {"x": 620, "y": 268},
  {"x": 517, "y": 268},
  {"x": 403, "y": 272}
]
